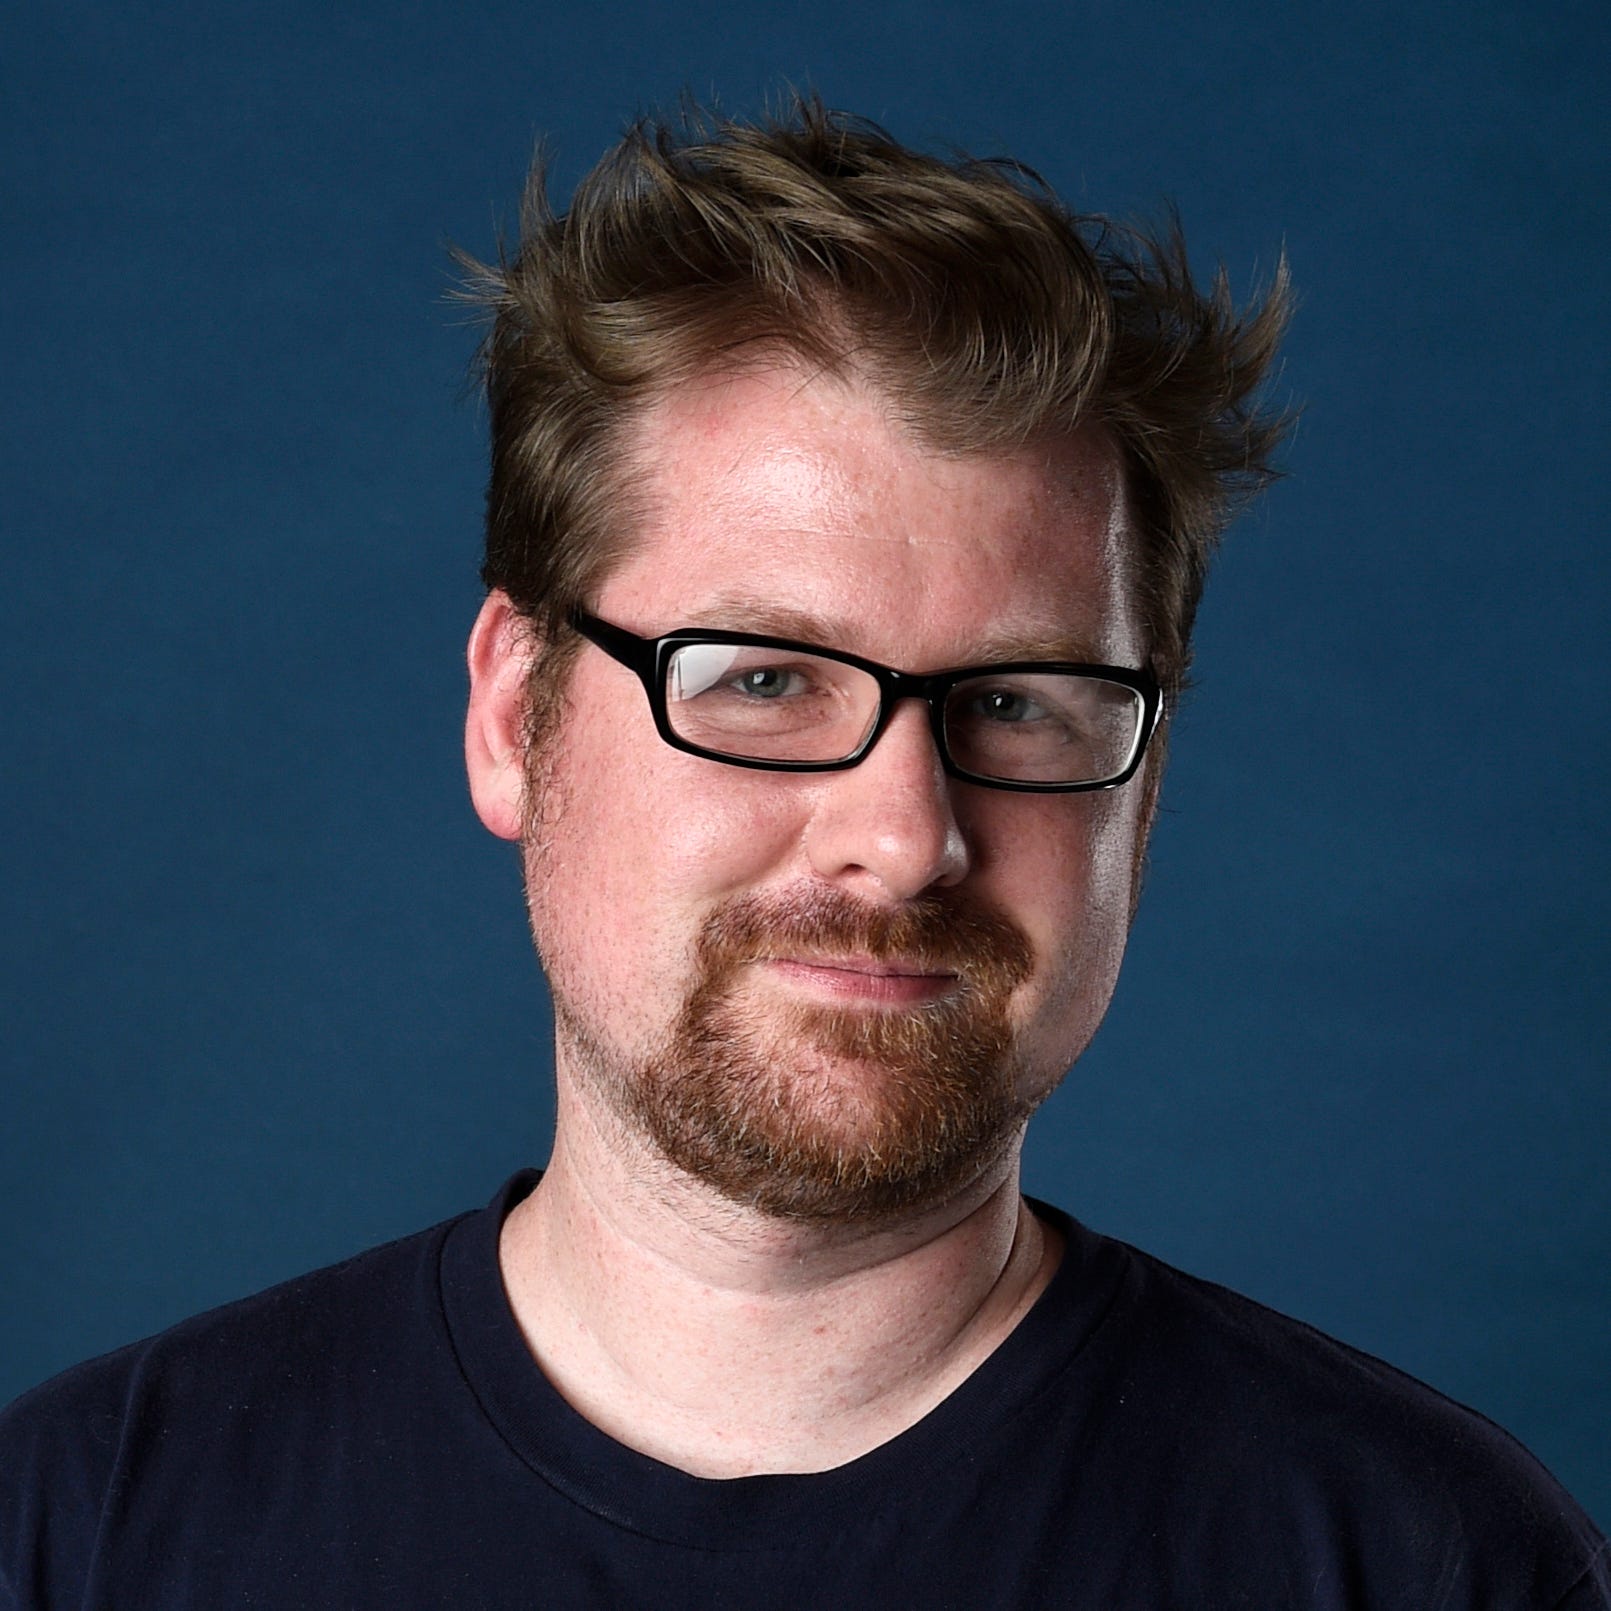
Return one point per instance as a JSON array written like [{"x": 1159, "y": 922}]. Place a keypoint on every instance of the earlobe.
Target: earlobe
[{"x": 500, "y": 657}]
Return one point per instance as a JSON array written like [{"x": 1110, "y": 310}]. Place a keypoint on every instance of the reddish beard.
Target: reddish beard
[{"x": 836, "y": 1114}]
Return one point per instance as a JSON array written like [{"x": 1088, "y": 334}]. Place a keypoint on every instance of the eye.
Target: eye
[
  {"x": 769, "y": 682},
  {"x": 743, "y": 675},
  {"x": 1006, "y": 705}
]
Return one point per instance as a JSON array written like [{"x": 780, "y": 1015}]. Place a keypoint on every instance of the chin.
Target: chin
[{"x": 831, "y": 1116}]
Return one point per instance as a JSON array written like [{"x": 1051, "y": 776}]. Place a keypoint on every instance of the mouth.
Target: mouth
[{"x": 862, "y": 978}]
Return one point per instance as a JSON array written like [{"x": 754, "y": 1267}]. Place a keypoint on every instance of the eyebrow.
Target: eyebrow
[{"x": 745, "y": 612}]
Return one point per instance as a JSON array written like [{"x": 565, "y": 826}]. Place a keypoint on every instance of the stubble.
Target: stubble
[{"x": 825, "y": 1114}]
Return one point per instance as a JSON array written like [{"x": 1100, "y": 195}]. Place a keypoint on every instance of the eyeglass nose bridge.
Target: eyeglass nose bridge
[{"x": 894, "y": 689}]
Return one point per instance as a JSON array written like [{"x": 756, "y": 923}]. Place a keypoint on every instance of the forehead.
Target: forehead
[{"x": 799, "y": 503}]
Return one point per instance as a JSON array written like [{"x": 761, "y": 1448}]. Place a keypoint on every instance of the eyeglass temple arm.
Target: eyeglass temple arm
[{"x": 635, "y": 653}]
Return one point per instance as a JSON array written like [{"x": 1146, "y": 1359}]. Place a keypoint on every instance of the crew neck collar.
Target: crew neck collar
[{"x": 757, "y": 1512}]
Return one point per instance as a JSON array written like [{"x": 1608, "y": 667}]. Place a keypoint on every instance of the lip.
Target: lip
[{"x": 872, "y": 979}]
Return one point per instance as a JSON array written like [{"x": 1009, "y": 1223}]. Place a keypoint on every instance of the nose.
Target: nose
[{"x": 887, "y": 827}]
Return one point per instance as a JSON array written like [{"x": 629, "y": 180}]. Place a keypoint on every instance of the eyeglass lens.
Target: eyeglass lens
[{"x": 767, "y": 704}]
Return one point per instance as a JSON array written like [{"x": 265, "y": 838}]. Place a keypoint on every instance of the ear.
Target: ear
[
  {"x": 500, "y": 656},
  {"x": 1150, "y": 782}
]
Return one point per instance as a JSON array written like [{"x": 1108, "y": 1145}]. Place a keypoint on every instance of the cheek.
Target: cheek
[
  {"x": 695, "y": 832},
  {"x": 1073, "y": 894},
  {"x": 636, "y": 853},
  {"x": 1063, "y": 866}
]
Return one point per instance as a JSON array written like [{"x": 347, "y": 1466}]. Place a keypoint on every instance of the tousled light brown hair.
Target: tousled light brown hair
[{"x": 986, "y": 311}]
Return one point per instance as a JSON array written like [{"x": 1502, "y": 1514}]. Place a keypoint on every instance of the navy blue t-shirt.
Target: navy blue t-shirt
[{"x": 377, "y": 1435}]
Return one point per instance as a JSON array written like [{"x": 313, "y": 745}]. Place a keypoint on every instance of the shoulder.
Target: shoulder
[
  {"x": 296, "y": 1325},
  {"x": 1307, "y": 1439},
  {"x": 211, "y": 1385},
  {"x": 1270, "y": 1367}
]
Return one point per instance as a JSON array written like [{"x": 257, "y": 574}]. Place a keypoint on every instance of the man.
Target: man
[{"x": 849, "y": 510}]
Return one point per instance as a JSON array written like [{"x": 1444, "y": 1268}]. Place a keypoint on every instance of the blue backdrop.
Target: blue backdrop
[{"x": 267, "y": 993}]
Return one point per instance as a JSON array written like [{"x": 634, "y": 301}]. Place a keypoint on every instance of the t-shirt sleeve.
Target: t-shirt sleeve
[
  {"x": 59, "y": 1448},
  {"x": 1592, "y": 1591}
]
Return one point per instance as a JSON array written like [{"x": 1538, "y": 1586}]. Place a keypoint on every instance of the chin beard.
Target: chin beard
[{"x": 833, "y": 1115}]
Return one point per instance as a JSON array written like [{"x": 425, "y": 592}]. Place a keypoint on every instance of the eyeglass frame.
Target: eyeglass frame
[{"x": 649, "y": 658}]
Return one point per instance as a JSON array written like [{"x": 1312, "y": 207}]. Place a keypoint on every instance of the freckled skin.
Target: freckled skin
[{"x": 805, "y": 491}]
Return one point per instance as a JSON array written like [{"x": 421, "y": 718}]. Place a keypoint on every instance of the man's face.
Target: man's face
[{"x": 836, "y": 995}]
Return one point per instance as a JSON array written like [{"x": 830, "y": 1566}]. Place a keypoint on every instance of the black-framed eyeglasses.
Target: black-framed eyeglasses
[{"x": 1043, "y": 726}]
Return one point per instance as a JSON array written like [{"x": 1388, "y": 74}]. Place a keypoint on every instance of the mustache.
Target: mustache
[{"x": 937, "y": 933}]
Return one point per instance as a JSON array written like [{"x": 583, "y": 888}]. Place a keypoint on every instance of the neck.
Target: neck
[{"x": 728, "y": 1344}]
